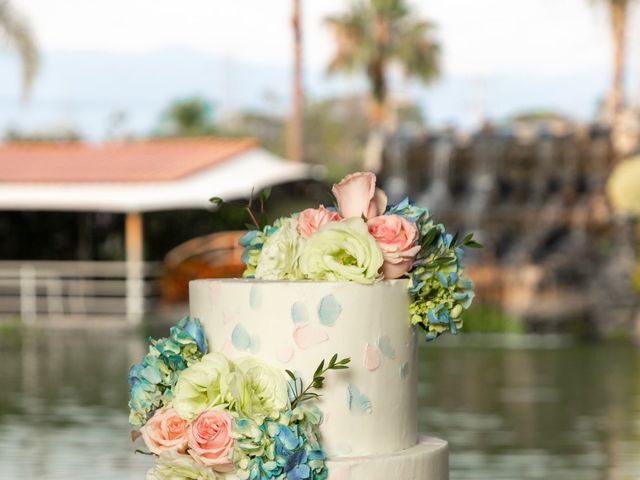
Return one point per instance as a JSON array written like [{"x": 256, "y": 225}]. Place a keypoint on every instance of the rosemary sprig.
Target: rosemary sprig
[{"x": 302, "y": 394}]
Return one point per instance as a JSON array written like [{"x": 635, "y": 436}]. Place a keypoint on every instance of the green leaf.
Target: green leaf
[
  {"x": 429, "y": 237},
  {"x": 217, "y": 201},
  {"x": 265, "y": 194},
  {"x": 333, "y": 360},
  {"x": 292, "y": 375},
  {"x": 454, "y": 239},
  {"x": 319, "y": 370}
]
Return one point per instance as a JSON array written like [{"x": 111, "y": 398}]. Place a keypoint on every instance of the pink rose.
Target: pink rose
[
  {"x": 165, "y": 432},
  {"x": 396, "y": 237},
  {"x": 357, "y": 195},
  {"x": 210, "y": 442},
  {"x": 311, "y": 219}
]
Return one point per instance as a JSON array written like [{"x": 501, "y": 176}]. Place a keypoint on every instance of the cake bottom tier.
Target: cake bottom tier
[{"x": 428, "y": 460}]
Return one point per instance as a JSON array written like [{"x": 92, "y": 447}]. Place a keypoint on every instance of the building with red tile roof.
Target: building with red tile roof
[{"x": 136, "y": 176}]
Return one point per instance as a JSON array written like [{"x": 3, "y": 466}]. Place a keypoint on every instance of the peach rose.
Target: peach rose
[
  {"x": 210, "y": 442},
  {"x": 357, "y": 195},
  {"x": 311, "y": 219},
  {"x": 396, "y": 237},
  {"x": 165, "y": 432}
]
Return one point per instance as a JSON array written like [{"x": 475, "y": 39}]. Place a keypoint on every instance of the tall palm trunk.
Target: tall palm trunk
[
  {"x": 615, "y": 101},
  {"x": 376, "y": 142},
  {"x": 295, "y": 140}
]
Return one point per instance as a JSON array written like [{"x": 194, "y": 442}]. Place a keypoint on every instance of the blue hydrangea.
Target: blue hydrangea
[
  {"x": 282, "y": 448},
  {"x": 151, "y": 381},
  {"x": 438, "y": 289}
]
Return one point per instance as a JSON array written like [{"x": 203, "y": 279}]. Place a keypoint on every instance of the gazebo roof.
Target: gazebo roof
[{"x": 136, "y": 176}]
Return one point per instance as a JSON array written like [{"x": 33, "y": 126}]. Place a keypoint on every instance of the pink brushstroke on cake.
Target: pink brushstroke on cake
[
  {"x": 227, "y": 349},
  {"x": 371, "y": 357},
  {"x": 307, "y": 336}
]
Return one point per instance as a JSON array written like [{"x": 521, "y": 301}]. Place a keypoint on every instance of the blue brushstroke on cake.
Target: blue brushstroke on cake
[
  {"x": 357, "y": 401},
  {"x": 299, "y": 313},
  {"x": 240, "y": 338},
  {"x": 329, "y": 310},
  {"x": 384, "y": 344},
  {"x": 255, "y": 297},
  {"x": 341, "y": 450}
]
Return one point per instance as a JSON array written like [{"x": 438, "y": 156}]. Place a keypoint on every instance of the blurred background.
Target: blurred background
[{"x": 519, "y": 121}]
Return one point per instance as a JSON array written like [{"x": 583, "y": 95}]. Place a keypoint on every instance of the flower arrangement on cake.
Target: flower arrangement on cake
[
  {"x": 363, "y": 239},
  {"x": 203, "y": 415}
]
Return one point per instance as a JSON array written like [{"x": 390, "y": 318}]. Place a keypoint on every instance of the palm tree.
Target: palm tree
[
  {"x": 295, "y": 138},
  {"x": 16, "y": 33},
  {"x": 187, "y": 117},
  {"x": 618, "y": 14},
  {"x": 371, "y": 36}
]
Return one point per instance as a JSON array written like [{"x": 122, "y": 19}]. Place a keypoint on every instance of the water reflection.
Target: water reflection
[
  {"x": 567, "y": 412},
  {"x": 571, "y": 412}
]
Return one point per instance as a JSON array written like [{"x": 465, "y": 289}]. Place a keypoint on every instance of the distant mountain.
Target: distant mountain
[{"x": 83, "y": 90}]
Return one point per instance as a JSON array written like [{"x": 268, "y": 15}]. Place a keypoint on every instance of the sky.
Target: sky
[
  {"x": 481, "y": 37},
  {"x": 488, "y": 45}
]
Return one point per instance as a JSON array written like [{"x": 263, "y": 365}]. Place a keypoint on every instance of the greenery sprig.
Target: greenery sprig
[
  {"x": 301, "y": 394},
  {"x": 256, "y": 217}
]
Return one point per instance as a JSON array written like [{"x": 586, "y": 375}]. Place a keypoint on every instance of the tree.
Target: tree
[
  {"x": 189, "y": 117},
  {"x": 16, "y": 33},
  {"x": 295, "y": 137},
  {"x": 618, "y": 14},
  {"x": 618, "y": 11},
  {"x": 370, "y": 37}
]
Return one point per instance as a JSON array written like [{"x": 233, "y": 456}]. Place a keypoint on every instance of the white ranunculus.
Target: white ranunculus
[{"x": 280, "y": 253}]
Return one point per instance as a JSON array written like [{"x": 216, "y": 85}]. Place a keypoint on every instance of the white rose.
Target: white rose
[{"x": 280, "y": 253}]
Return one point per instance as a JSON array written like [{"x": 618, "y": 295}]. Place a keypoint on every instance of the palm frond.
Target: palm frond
[
  {"x": 387, "y": 31},
  {"x": 16, "y": 33}
]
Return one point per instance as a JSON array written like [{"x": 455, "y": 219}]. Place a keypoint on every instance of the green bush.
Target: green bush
[{"x": 484, "y": 318}]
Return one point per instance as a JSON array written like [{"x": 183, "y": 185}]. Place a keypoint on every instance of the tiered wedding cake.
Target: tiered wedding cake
[
  {"x": 369, "y": 427},
  {"x": 306, "y": 369}
]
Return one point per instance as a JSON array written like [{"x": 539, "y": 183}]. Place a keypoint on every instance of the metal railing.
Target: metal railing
[{"x": 35, "y": 290}]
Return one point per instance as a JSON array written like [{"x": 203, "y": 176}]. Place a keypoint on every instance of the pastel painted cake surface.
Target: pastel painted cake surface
[{"x": 369, "y": 409}]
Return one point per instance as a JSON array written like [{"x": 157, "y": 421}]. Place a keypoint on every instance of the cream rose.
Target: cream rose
[
  {"x": 266, "y": 388},
  {"x": 210, "y": 442},
  {"x": 212, "y": 382},
  {"x": 278, "y": 258},
  {"x": 396, "y": 238},
  {"x": 173, "y": 466},
  {"x": 164, "y": 432},
  {"x": 357, "y": 195},
  {"x": 311, "y": 219},
  {"x": 342, "y": 251}
]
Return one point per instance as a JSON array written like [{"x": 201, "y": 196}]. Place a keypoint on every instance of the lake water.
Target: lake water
[{"x": 533, "y": 409}]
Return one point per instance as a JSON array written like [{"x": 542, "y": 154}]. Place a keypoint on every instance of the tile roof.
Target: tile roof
[{"x": 128, "y": 161}]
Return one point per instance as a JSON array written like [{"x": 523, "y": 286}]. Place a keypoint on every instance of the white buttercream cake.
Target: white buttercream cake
[{"x": 369, "y": 430}]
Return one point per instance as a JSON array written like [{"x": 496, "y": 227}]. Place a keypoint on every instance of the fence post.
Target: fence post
[
  {"x": 135, "y": 268},
  {"x": 28, "y": 293}
]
